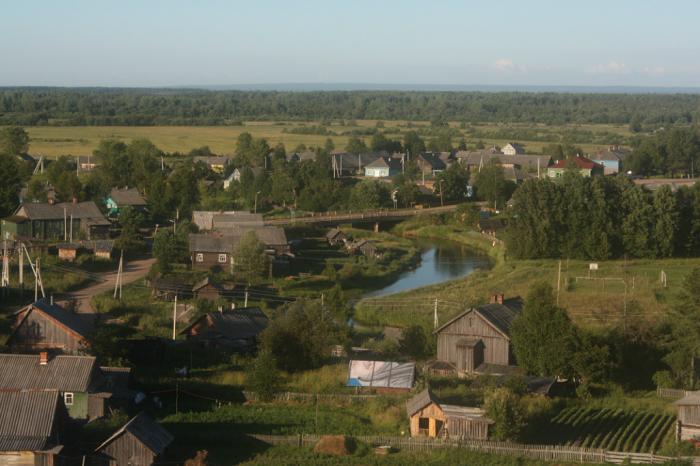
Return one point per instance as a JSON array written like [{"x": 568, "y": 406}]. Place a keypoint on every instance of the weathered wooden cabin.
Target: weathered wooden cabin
[
  {"x": 139, "y": 442},
  {"x": 478, "y": 339},
  {"x": 336, "y": 237},
  {"x": 32, "y": 428},
  {"x": 688, "y": 427},
  {"x": 68, "y": 252},
  {"x": 42, "y": 326},
  {"x": 207, "y": 289},
  {"x": 236, "y": 329},
  {"x": 430, "y": 418},
  {"x": 77, "y": 379}
]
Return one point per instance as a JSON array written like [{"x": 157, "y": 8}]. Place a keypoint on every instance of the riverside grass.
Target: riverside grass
[{"x": 590, "y": 301}]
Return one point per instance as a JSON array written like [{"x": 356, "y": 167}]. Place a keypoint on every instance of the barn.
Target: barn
[
  {"x": 430, "y": 418},
  {"x": 32, "y": 428},
  {"x": 43, "y": 326},
  {"x": 139, "y": 442},
  {"x": 478, "y": 339}
]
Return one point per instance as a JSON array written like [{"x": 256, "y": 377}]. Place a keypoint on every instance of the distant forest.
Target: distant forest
[{"x": 148, "y": 107}]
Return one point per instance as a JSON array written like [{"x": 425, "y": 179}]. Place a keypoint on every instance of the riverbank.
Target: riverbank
[{"x": 590, "y": 303}]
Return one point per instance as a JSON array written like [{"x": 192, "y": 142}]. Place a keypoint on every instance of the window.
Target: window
[
  {"x": 222, "y": 258},
  {"x": 68, "y": 398},
  {"x": 470, "y": 322},
  {"x": 199, "y": 257},
  {"x": 423, "y": 423}
]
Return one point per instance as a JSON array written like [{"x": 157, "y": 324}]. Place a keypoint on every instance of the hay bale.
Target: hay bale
[{"x": 335, "y": 445}]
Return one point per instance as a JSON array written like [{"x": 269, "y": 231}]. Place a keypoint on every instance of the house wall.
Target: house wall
[
  {"x": 67, "y": 254},
  {"x": 38, "y": 332},
  {"x": 208, "y": 292},
  {"x": 210, "y": 260},
  {"x": 127, "y": 450},
  {"x": 434, "y": 414},
  {"x": 377, "y": 172},
  {"x": 689, "y": 415},
  {"x": 17, "y": 458},
  {"x": 496, "y": 346},
  {"x": 79, "y": 409}
]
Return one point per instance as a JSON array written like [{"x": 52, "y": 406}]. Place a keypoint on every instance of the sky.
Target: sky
[{"x": 153, "y": 43}]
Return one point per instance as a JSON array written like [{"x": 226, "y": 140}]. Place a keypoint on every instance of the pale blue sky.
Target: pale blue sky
[{"x": 210, "y": 42}]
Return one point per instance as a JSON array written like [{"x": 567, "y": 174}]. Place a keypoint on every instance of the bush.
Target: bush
[{"x": 262, "y": 376}]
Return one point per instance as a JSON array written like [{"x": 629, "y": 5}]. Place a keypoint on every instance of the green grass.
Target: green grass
[
  {"x": 82, "y": 140},
  {"x": 608, "y": 428},
  {"x": 590, "y": 303}
]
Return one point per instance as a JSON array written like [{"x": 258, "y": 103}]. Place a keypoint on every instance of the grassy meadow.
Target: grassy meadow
[
  {"x": 595, "y": 299},
  {"x": 54, "y": 141}
]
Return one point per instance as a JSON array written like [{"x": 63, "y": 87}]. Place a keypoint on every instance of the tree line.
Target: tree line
[
  {"x": 143, "y": 107},
  {"x": 602, "y": 218}
]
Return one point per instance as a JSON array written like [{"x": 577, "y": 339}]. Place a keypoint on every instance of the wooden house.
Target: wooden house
[
  {"x": 581, "y": 165},
  {"x": 236, "y": 330},
  {"x": 42, "y": 326},
  {"x": 167, "y": 288},
  {"x": 688, "y": 427},
  {"x": 209, "y": 251},
  {"x": 33, "y": 426},
  {"x": 118, "y": 199},
  {"x": 430, "y": 163},
  {"x": 336, "y": 237},
  {"x": 139, "y": 442},
  {"x": 383, "y": 167},
  {"x": 47, "y": 221},
  {"x": 215, "y": 163},
  {"x": 364, "y": 247},
  {"x": 207, "y": 289},
  {"x": 430, "y": 418},
  {"x": 78, "y": 379},
  {"x": 68, "y": 252},
  {"x": 478, "y": 339},
  {"x": 513, "y": 148}
]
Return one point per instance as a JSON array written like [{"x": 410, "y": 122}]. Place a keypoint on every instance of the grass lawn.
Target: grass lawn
[{"x": 82, "y": 140}]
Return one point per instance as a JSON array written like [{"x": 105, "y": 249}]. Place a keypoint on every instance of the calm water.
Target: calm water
[{"x": 440, "y": 261}]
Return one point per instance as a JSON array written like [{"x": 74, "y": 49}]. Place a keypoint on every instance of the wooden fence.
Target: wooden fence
[
  {"x": 536, "y": 452},
  {"x": 675, "y": 393},
  {"x": 294, "y": 396}
]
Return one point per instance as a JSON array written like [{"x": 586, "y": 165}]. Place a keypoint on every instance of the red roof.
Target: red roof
[{"x": 579, "y": 162}]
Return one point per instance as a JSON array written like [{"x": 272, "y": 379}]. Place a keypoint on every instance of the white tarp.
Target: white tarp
[{"x": 382, "y": 374}]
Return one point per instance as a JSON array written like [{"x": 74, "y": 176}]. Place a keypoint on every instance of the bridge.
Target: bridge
[{"x": 362, "y": 216}]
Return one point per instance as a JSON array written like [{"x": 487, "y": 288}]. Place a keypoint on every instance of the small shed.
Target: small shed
[
  {"x": 103, "y": 249},
  {"x": 236, "y": 330},
  {"x": 336, "y": 237},
  {"x": 430, "y": 418},
  {"x": 207, "y": 289},
  {"x": 365, "y": 248},
  {"x": 68, "y": 251},
  {"x": 139, "y": 442},
  {"x": 688, "y": 417},
  {"x": 167, "y": 288}
]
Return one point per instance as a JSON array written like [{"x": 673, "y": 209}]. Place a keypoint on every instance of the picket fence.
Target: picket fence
[
  {"x": 295, "y": 396},
  {"x": 675, "y": 393},
  {"x": 536, "y": 452}
]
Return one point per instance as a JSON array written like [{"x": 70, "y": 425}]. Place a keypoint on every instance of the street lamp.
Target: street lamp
[{"x": 255, "y": 203}]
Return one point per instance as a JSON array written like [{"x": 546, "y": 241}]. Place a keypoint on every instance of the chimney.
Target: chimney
[
  {"x": 43, "y": 358},
  {"x": 75, "y": 200},
  {"x": 496, "y": 298}
]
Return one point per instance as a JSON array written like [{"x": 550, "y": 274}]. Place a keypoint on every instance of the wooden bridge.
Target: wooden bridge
[{"x": 362, "y": 216}]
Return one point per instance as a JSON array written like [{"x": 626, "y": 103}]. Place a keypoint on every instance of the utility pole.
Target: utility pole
[
  {"x": 65, "y": 225},
  {"x": 5, "y": 265},
  {"x": 174, "y": 315},
  {"x": 38, "y": 276},
  {"x": 558, "y": 281},
  {"x": 162, "y": 165},
  {"x": 117, "y": 284},
  {"x": 245, "y": 302},
  {"x": 442, "y": 200},
  {"x": 435, "y": 314},
  {"x": 71, "y": 228},
  {"x": 20, "y": 261}
]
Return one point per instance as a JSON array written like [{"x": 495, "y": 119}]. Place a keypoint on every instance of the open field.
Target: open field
[
  {"x": 82, "y": 140},
  {"x": 595, "y": 300}
]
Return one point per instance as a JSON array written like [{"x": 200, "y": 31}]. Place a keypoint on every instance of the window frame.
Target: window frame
[
  {"x": 68, "y": 396},
  {"x": 225, "y": 258},
  {"x": 199, "y": 257}
]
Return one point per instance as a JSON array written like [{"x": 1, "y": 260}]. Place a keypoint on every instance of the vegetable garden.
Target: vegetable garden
[{"x": 611, "y": 429}]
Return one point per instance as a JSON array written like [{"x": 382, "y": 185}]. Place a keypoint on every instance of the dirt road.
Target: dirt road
[{"x": 133, "y": 270}]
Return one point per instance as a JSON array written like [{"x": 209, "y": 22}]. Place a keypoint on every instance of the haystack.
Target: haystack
[{"x": 336, "y": 445}]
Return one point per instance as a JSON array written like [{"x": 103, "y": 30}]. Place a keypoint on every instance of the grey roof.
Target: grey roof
[
  {"x": 500, "y": 316},
  {"x": 44, "y": 211},
  {"x": 213, "y": 159},
  {"x": 385, "y": 162},
  {"x": 528, "y": 162},
  {"x": 151, "y": 434},
  {"x": 74, "y": 326},
  {"x": 27, "y": 420},
  {"x": 420, "y": 401},
  {"x": 210, "y": 220},
  {"x": 204, "y": 282},
  {"x": 691, "y": 399},
  {"x": 435, "y": 160},
  {"x": 348, "y": 161},
  {"x": 127, "y": 196},
  {"x": 335, "y": 232},
  {"x": 226, "y": 243},
  {"x": 235, "y": 324},
  {"x": 63, "y": 373}
]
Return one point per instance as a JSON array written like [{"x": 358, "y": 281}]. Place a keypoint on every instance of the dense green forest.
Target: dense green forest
[
  {"x": 602, "y": 218},
  {"x": 114, "y": 106}
]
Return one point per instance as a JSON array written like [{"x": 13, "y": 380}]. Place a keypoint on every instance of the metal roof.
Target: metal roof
[
  {"x": 151, "y": 434},
  {"x": 45, "y": 211},
  {"x": 127, "y": 196},
  {"x": 227, "y": 242},
  {"x": 70, "y": 322},
  {"x": 27, "y": 420},
  {"x": 500, "y": 316},
  {"x": 236, "y": 324},
  {"x": 63, "y": 373}
]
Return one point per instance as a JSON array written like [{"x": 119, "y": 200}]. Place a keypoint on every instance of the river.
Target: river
[{"x": 441, "y": 260}]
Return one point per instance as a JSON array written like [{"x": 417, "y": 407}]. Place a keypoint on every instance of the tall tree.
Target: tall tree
[
  {"x": 10, "y": 185},
  {"x": 13, "y": 140},
  {"x": 250, "y": 259}
]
